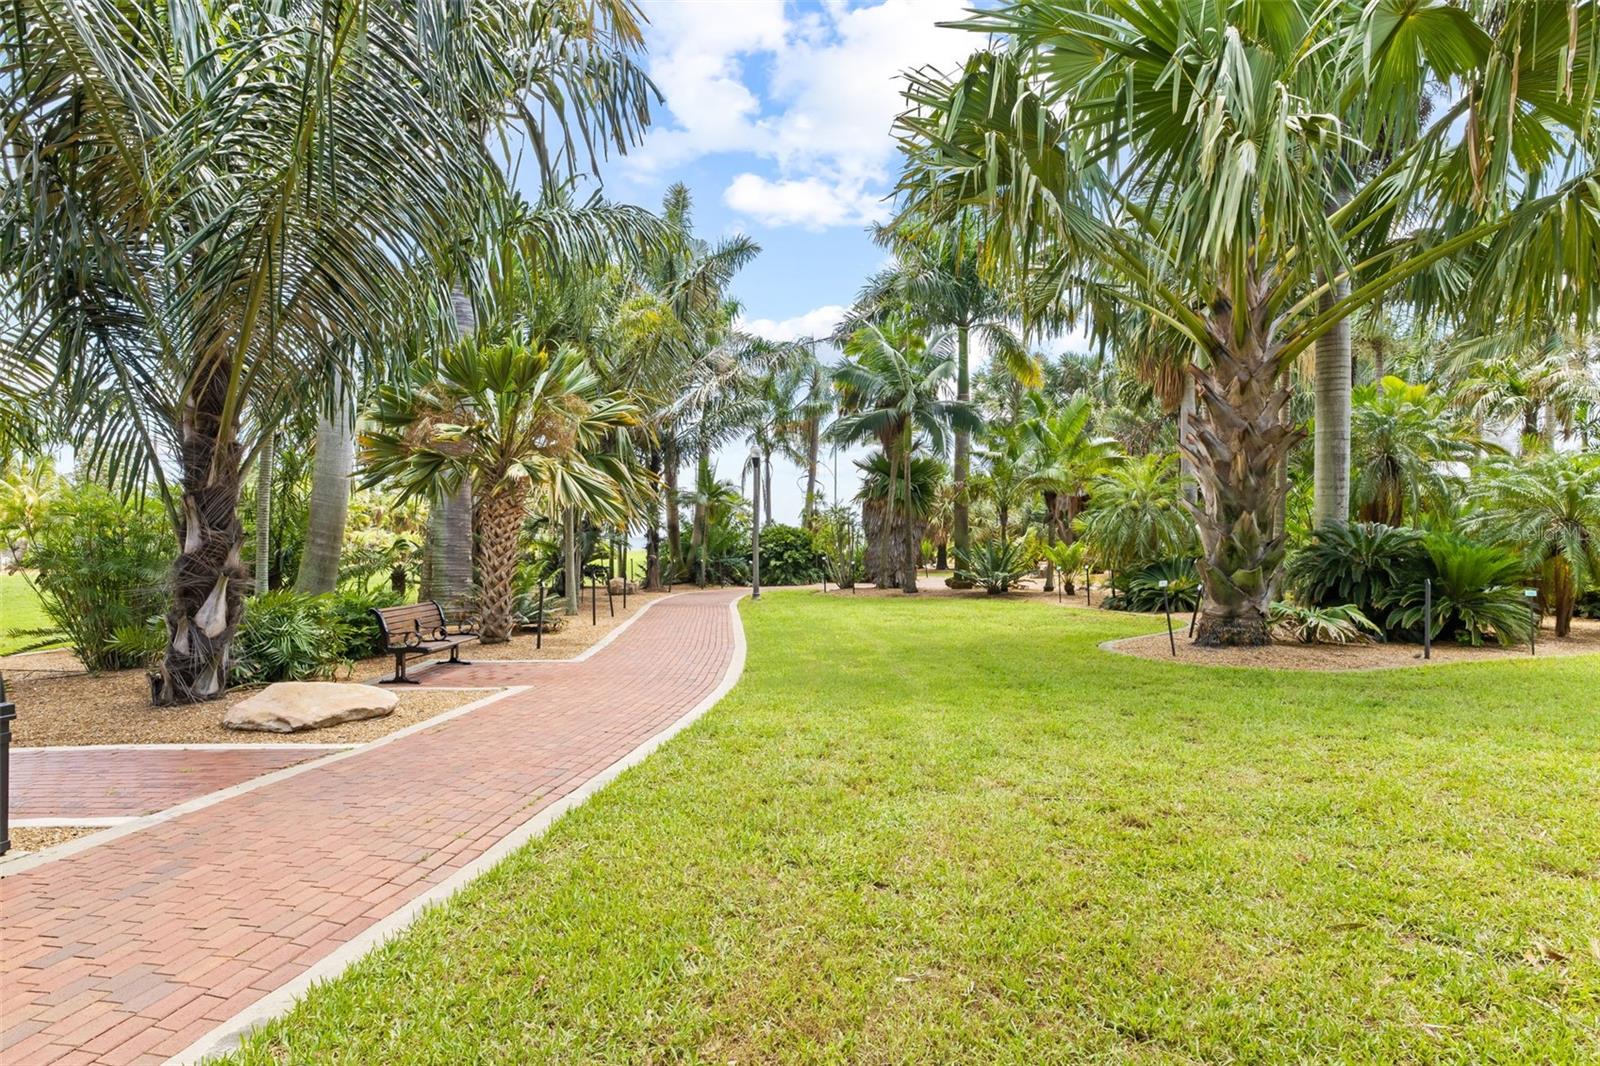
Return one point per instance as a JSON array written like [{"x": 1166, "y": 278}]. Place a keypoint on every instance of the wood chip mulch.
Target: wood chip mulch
[{"x": 1291, "y": 655}]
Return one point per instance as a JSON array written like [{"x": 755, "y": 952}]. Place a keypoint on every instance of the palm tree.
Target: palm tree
[
  {"x": 907, "y": 500},
  {"x": 1405, "y": 439},
  {"x": 677, "y": 348},
  {"x": 890, "y": 384},
  {"x": 1502, "y": 380},
  {"x": 936, "y": 274},
  {"x": 713, "y": 501},
  {"x": 519, "y": 424},
  {"x": 206, "y": 205},
  {"x": 1182, "y": 159},
  {"x": 1549, "y": 507},
  {"x": 332, "y": 478},
  {"x": 1008, "y": 479},
  {"x": 1066, "y": 458}
]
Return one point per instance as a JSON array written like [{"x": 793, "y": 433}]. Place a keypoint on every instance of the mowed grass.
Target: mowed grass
[
  {"x": 935, "y": 830},
  {"x": 20, "y": 611}
]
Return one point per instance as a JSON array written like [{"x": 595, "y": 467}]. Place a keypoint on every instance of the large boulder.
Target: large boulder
[{"x": 290, "y": 706}]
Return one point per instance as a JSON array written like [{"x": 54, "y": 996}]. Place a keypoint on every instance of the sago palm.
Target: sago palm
[
  {"x": 1550, "y": 508},
  {"x": 523, "y": 426},
  {"x": 1405, "y": 440}
]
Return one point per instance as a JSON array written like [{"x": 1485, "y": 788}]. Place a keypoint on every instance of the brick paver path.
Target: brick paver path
[
  {"x": 111, "y": 783},
  {"x": 131, "y": 950}
]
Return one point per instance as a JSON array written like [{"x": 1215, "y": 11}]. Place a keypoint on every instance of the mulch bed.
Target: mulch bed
[
  {"x": 1292, "y": 655},
  {"x": 59, "y": 704},
  {"x": 25, "y": 838}
]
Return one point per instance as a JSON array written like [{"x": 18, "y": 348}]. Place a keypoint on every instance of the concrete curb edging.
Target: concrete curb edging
[{"x": 227, "y": 1036}]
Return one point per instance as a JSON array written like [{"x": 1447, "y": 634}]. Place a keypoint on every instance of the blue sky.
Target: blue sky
[{"x": 777, "y": 117}]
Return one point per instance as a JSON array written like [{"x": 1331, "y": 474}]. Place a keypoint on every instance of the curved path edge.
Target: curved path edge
[{"x": 227, "y": 1037}]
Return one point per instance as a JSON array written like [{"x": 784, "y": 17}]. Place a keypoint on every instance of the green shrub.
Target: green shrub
[
  {"x": 349, "y": 612},
  {"x": 1141, "y": 590},
  {"x": 286, "y": 636},
  {"x": 102, "y": 568},
  {"x": 789, "y": 556},
  {"x": 1477, "y": 593},
  {"x": 838, "y": 539},
  {"x": 1365, "y": 564},
  {"x": 995, "y": 564}
]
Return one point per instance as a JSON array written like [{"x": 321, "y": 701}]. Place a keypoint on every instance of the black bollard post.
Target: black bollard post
[
  {"x": 538, "y": 633},
  {"x": 8, "y": 711},
  {"x": 1533, "y": 608},
  {"x": 611, "y": 604},
  {"x": 1427, "y": 618},
  {"x": 1166, "y": 608},
  {"x": 594, "y": 602},
  {"x": 1088, "y": 572}
]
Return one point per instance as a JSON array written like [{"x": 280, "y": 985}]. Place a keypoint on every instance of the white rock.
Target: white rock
[{"x": 290, "y": 706}]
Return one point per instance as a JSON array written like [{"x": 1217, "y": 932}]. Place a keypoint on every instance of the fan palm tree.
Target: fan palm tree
[
  {"x": 1500, "y": 381},
  {"x": 1550, "y": 507},
  {"x": 520, "y": 424},
  {"x": 890, "y": 385},
  {"x": 1405, "y": 439},
  {"x": 1182, "y": 158},
  {"x": 210, "y": 207}
]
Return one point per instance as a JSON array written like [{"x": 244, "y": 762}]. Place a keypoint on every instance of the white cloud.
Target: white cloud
[
  {"x": 818, "y": 322},
  {"x": 815, "y": 91},
  {"x": 814, "y": 203}
]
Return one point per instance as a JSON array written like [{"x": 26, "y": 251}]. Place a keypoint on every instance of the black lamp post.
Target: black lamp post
[
  {"x": 8, "y": 711},
  {"x": 755, "y": 527}
]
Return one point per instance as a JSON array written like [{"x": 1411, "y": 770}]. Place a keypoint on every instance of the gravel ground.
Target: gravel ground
[
  {"x": 25, "y": 839},
  {"x": 59, "y": 704},
  {"x": 1584, "y": 640}
]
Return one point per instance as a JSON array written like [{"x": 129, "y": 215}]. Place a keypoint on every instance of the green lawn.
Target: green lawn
[
  {"x": 955, "y": 831},
  {"x": 20, "y": 609}
]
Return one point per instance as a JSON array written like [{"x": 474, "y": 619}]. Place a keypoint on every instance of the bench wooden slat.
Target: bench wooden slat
[{"x": 423, "y": 624}]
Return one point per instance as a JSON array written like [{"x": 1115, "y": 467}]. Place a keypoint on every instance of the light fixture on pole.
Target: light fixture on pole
[{"x": 754, "y": 463}]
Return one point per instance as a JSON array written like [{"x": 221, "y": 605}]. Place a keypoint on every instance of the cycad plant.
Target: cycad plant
[
  {"x": 1364, "y": 564},
  {"x": 1477, "y": 593},
  {"x": 1550, "y": 509},
  {"x": 523, "y": 425},
  {"x": 1136, "y": 514},
  {"x": 1403, "y": 442}
]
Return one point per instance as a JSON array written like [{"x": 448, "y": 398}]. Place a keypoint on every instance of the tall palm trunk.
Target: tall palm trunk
[
  {"x": 450, "y": 548},
  {"x": 264, "y": 464},
  {"x": 766, "y": 486},
  {"x": 1331, "y": 471},
  {"x": 963, "y": 454},
  {"x": 500, "y": 524},
  {"x": 701, "y": 525},
  {"x": 208, "y": 577},
  {"x": 1239, "y": 444},
  {"x": 670, "y": 461},
  {"x": 913, "y": 542},
  {"x": 813, "y": 445},
  {"x": 571, "y": 562},
  {"x": 652, "y": 536},
  {"x": 331, "y": 472},
  {"x": 1185, "y": 427}
]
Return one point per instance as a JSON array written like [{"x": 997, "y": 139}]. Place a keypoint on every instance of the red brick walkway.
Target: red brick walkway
[
  {"x": 131, "y": 950},
  {"x": 117, "y": 782}
]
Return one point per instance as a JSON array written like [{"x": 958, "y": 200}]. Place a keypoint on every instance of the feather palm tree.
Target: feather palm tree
[
  {"x": 209, "y": 207},
  {"x": 891, "y": 385}
]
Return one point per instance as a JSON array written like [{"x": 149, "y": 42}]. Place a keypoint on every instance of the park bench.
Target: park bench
[{"x": 415, "y": 629}]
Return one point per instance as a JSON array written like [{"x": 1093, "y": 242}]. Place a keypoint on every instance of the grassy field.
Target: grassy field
[
  {"x": 955, "y": 831},
  {"x": 20, "y": 609}
]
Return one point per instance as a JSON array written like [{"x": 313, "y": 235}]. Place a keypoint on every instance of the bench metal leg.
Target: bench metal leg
[
  {"x": 400, "y": 676},
  {"x": 455, "y": 658}
]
